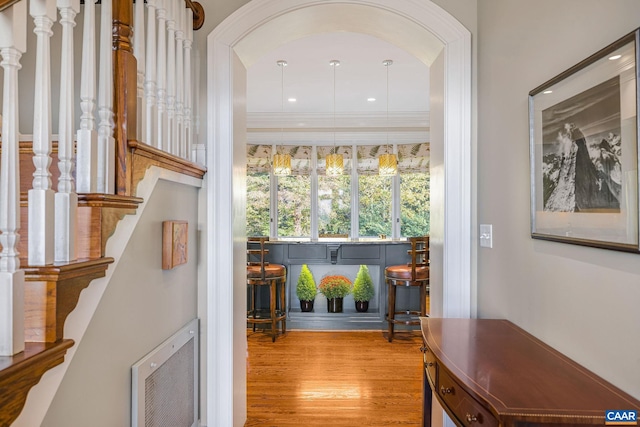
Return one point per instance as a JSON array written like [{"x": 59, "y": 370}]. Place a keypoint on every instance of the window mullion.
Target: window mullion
[
  {"x": 395, "y": 201},
  {"x": 314, "y": 194},
  {"x": 273, "y": 201},
  {"x": 355, "y": 195}
]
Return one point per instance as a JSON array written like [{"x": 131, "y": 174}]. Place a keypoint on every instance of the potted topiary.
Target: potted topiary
[
  {"x": 306, "y": 289},
  {"x": 363, "y": 289},
  {"x": 335, "y": 288}
]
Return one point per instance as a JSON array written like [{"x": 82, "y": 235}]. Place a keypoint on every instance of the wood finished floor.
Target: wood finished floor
[{"x": 334, "y": 379}]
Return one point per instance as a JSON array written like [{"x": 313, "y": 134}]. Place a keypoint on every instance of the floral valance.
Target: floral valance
[
  {"x": 321, "y": 154},
  {"x": 413, "y": 158},
  {"x": 259, "y": 158}
]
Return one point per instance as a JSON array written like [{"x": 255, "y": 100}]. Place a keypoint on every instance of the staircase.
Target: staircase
[{"x": 49, "y": 291}]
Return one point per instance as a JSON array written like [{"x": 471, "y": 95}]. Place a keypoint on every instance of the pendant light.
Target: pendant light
[
  {"x": 334, "y": 161},
  {"x": 281, "y": 162},
  {"x": 387, "y": 162}
]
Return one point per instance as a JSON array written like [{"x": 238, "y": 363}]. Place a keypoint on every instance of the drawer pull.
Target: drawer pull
[
  {"x": 446, "y": 390},
  {"x": 471, "y": 418},
  {"x": 430, "y": 364},
  {"x": 423, "y": 349}
]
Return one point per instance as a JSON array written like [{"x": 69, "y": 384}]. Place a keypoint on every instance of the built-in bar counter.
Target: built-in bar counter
[{"x": 339, "y": 257}]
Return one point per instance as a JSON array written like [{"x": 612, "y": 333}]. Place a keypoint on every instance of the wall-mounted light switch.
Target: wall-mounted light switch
[{"x": 486, "y": 236}]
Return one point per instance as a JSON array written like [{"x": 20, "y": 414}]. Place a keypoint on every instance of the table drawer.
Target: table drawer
[
  {"x": 465, "y": 408},
  {"x": 430, "y": 367}
]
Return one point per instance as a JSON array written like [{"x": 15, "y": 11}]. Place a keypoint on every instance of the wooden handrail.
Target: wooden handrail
[
  {"x": 198, "y": 10},
  {"x": 198, "y": 13},
  {"x": 7, "y": 3}
]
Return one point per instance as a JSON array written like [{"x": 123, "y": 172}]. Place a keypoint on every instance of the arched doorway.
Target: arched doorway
[{"x": 261, "y": 26}]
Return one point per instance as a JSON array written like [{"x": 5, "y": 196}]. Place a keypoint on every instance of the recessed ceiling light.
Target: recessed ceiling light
[
  {"x": 614, "y": 57},
  {"x": 371, "y": 100},
  {"x": 547, "y": 92},
  {"x": 292, "y": 100}
]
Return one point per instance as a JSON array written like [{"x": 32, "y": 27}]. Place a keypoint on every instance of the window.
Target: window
[
  {"x": 294, "y": 206},
  {"x": 258, "y": 204},
  {"x": 258, "y": 189},
  {"x": 375, "y": 205},
  {"x": 414, "y": 204},
  {"x": 334, "y": 194},
  {"x": 308, "y": 204},
  {"x": 413, "y": 168},
  {"x": 334, "y": 205}
]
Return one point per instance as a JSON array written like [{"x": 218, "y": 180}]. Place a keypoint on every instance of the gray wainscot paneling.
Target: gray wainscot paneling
[{"x": 325, "y": 258}]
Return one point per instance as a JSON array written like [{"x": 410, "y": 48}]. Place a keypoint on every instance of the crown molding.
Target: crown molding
[
  {"x": 342, "y": 136},
  {"x": 378, "y": 120}
]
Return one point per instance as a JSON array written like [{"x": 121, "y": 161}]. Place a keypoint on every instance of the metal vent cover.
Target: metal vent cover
[{"x": 165, "y": 383}]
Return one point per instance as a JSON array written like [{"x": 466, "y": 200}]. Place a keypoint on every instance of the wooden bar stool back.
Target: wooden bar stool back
[
  {"x": 415, "y": 273},
  {"x": 262, "y": 273}
]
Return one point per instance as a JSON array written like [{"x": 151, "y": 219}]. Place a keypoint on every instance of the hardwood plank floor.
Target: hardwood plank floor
[{"x": 309, "y": 378}]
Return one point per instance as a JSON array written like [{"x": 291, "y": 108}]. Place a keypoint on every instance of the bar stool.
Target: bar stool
[
  {"x": 414, "y": 273},
  {"x": 261, "y": 273}
]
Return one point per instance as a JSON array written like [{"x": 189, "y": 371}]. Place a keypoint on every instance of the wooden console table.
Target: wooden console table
[{"x": 489, "y": 372}]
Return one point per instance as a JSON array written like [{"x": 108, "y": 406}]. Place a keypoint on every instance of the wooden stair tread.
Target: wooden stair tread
[{"x": 21, "y": 372}]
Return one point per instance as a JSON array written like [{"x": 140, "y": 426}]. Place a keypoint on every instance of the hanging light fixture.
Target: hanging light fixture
[
  {"x": 387, "y": 162},
  {"x": 334, "y": 161},
  {"x": 281, "y": 162}
]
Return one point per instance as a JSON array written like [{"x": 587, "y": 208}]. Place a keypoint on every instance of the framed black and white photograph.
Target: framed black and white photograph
[{"x": 584, "y": 151}]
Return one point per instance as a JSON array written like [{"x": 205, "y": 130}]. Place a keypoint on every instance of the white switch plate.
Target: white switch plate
[{"x": 486, "y": 235}]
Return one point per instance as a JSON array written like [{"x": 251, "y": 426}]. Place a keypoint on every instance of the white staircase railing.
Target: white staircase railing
[
  {"x": 87, "y": 135},
  {"x": 41, "y": 196},
  {"x": 66, "y": 199},
  {"x": 13, "y": 43},
  {"x": 165, "y": 115}
]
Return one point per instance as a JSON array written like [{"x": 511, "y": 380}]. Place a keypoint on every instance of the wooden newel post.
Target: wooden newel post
[{"x": 125, "y": 92}]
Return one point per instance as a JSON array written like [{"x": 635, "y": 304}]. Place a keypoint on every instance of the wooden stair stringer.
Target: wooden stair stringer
[
  {"x": 20, "y": 373},
  {"x": 120, "y": 232}
]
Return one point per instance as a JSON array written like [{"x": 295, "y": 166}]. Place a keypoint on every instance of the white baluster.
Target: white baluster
[
  {"x": 106, "y": 141},
  {"x": 150, "y": 84},
  {"x": 179, "y": 142},
  {"x": 199, "y": 148},
  {"x": 151, "y": 113},
  {"x": 162, "y": 75},
  {"x": 139, "y": 53},
  {"x": 41, "y": 196},
  {"x": 13, "y": 43},
  {"x": 87, "y": 136},
  {"x": 188, "y": 82},
  {"x": 171, "y": 77},
  {"x": 66, "y": 199}
]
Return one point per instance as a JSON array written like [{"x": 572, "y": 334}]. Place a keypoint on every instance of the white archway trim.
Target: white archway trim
[{"x": 220, "y": 388}]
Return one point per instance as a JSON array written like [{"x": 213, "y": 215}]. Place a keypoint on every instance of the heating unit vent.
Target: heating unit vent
[{"x": 165, "y": 383}]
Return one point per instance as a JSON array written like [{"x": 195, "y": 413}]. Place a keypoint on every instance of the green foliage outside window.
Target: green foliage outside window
[
  {"x": 334, "y": 204},
  {"x": 415, "y": 204},
  {"x": 258, "y": 200},
  {"x": 294, "y": 206},
  {"x": 375, "y": 205}
]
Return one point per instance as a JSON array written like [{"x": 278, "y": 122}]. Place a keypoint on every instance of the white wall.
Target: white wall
[
  {"x": 582, "y": 301},
  {"x": 141, "y": 307}
]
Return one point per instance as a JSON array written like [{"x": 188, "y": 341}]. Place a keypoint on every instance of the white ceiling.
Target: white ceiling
[{"x": 361, "y": 75}]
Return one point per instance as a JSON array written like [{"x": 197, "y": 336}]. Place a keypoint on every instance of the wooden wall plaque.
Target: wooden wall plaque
[{"x": 174, "y": 243}]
